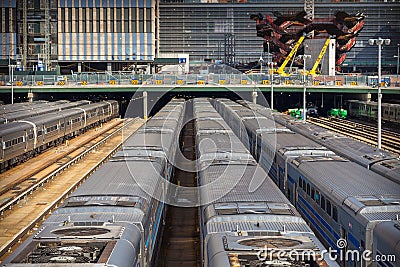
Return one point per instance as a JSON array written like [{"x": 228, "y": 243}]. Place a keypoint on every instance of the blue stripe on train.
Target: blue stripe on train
[{"x": 320, "y": 219}]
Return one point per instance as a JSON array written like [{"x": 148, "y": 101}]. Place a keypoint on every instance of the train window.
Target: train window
[
  {"x": 362, "y": 244},
  {"x": 30, "y": 136},
  {"x": 322, "y": 202},
  {"x": 313, "y": 193},
  {"x": 300, "y": 182},
  {"x": 335, "y": 214},
  {"x": 317, "y": 197},
  {"x": 304, "y": 186},
  {"x": 328, "y": 207},
  {"x": 7, "y": 144},
  {"x": 39, "y": 133},
  {"x": 308, "y": 189},
  {"x": 62, "y": 125}
]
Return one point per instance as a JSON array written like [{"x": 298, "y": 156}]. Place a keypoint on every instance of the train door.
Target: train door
[
  {"x": 26, "y": 140},
  {"x": 2, "y": 146},
  {"x": 342, "y": 249}
]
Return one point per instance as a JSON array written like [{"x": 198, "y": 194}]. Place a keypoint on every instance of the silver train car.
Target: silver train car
[
  {"x": 379, "y": 161},
  {"x": 114, "y": 217},
  {"x": 341, "y": 200},
  {"x": 245, "y": 218},
  {"x": 8, "y": 108},
  {"x": 39, "y": 109},
  {"x": 368, "y": 110},
  {"x": 23, "y": 139}
]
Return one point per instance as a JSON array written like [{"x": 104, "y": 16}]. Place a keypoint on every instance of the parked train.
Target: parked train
[
  {"x": 114, "y": 217},
  {"x": 245, "y": 218},
  {"x": 379, "y": 161},
  {"x": 25, "y": 138},
  {"x": 27, "y": 105},
  {"x": 368, "y": 110},
  {"x": 37, "y": 109},
  {"x": 351, "y": 208}
]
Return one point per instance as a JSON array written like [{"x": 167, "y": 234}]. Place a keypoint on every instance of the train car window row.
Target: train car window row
[
  {"x": 51, "y": 129},
  {"x": 13, "y": 142},
  {"x": 76, "y": 120},
  {"x": 315, "y": 195}
]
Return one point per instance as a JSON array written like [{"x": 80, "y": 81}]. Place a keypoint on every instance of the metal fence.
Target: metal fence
[{"x": 128, "y": 78}]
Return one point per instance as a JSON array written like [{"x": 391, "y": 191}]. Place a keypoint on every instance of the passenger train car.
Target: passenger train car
[
  {"x": 368, "y": 110},
  {"x": 114, "y": 217},
  {"x": 24, "y": 138},
  {"x": 245, "y": 219},
  {"x": 379, "y": 161},
  {"x": 39, "y": 109},
  {"x": 341, "y": 200}
]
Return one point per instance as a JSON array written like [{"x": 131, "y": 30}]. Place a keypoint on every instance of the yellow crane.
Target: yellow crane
[
  {"x": 320, "y": 56},
  {"x": 281, "y": 70}
]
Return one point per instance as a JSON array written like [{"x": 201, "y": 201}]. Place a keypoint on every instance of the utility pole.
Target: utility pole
[
  {"x": 304, "y": 86},
  {"x": 24, "y": 34},
  {"x": 379, "y": 42}
]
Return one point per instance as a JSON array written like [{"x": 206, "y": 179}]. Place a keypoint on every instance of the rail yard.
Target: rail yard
[
  {"x": 199, "y": 133},
  {"x": 202, "y": 182}
]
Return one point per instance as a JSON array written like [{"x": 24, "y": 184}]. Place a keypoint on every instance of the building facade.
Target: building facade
[
  {"x": 112, "y": 33},
  {"x": 199, "y": 28}
]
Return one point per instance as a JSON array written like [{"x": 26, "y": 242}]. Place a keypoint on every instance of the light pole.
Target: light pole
[
  {"x": 397, "y": 69},
  {"x": 271, "y": 76},
  {"x": 304, "y": 86},
  {"x": 379, "y": 43},
  {"x": 12, "y": 82}
]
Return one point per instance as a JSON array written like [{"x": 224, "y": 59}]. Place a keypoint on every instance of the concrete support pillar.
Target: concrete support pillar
[
  {"x": 145, "y": 105},
  {"x": 322, "y": 100},
  {"x": 79, "y": 67},
  {"x": 109, "y": 68},
  {"x": 30, "y": 97},
  {"x": 254, "y": 95}
]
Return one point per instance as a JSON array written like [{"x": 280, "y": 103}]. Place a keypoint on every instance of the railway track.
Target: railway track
[
  {"x": 32, "y": 174},
  {"x": 180, "y": 242},
  {"x": 36, "y": 198},
  {"x": 362, "y": 132}
]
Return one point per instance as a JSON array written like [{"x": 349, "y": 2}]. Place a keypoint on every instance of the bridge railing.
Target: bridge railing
[{"x": 128, "y": 78}]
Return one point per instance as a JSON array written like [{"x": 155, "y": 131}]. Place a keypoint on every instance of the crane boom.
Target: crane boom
[
  {"x": 320, "y": 56},
  {"x": 281, "y": 70}
]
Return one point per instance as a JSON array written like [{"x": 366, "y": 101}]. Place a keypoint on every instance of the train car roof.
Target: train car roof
[
  {"x": 220, "y": 142},
  {"x": 239, "y": 189},
  {"x": 120, "y": 178},
  {"x": 349, "y": 183},
  {"x": 13, "y": 127}
]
